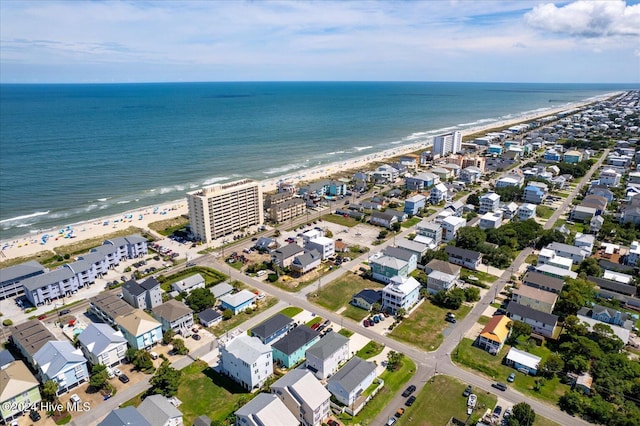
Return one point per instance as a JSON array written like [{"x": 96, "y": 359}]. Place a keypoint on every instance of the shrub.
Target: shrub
[{"x": 7, "y": 323}]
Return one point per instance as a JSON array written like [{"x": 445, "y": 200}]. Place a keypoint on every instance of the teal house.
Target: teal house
[
  {"x": 291, "y": 349},
  {"x": 383, "y": 268}
]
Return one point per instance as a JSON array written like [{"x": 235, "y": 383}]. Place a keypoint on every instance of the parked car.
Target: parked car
[
  {"x": 34, "y": 415},
  {"x": 391, "y": 421},
  {"x": 500, "y": 386},
  {"x": 365, "y": 323},
  {"x": 117, "y": 371},
  {"x": 497, "y": 411},
  {"x": 333, "y": 423},
  {"x": 75, "y": 399},
  {"x": 123, "y": 378},
  {"x": 400, "y": 412},
  {"x": 196, "y": 337},
  {"x": 451, "y": 320},
  {"x": 110, "y": 373},
  {"x": 511, "y": 377},
  {"x": 376, "y": 319},
  {"x": 408, "y": 391},
  {"x": 42, "y": 317},
  {"x": 410, "y": 401},
  {"x": 64, "y": 312},
  {"x": 467, "y": 391}
]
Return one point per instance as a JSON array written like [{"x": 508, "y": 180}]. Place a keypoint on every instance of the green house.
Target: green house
[
  {"x": 18, "y": 390},
  {"x": 291, "y": 349}
]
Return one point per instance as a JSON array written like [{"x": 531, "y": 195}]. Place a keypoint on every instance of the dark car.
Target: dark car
[
  {"x": 408, "y": 391},
  {"x": 500, "y": 386},
  {"x": 34, "y": 415},
  {"x": 123, "y": 378},
  {"x": 196, "y": 337},
  {"x": 451, "y": 320},
  {"x": 333, "y": 423},
  {"x": 410, "y": 401},
  {"x": 467, "y": 391},
  {"x": 64, "y": 312},
  {"x": 497, "y": 411}
]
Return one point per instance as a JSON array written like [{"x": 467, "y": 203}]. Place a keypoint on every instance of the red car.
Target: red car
[
  {"x": 365, "y": 323},
  {"x": 333, "y": 423},
  {"x": 315, "y": 326},
  {"x": 42, "y": 317}
]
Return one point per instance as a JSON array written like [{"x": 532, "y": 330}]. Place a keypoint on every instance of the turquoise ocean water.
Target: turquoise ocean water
[{"x": 70, "y": 153}]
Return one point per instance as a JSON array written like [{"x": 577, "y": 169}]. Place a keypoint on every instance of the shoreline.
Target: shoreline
[{"x": 31, "y": 244}]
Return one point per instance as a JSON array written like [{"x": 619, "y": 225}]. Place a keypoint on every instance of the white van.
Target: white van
[
  {"x": 261, "y": 273},
  {"x": 153, "y": 355}
]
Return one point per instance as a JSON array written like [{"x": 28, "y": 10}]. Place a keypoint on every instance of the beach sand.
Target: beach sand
[{"x": 30, "y": 245}]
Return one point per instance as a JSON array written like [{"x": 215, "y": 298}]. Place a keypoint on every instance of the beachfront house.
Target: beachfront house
[
  {"x": 101, "y": 344},
  {"x": 325, "y": 357},
  {"x": 129, "y": 247},
  {"x": 44, "y": 288},
  {"x": 247, "y": 361},
  {"x": 11, "y": 277}
]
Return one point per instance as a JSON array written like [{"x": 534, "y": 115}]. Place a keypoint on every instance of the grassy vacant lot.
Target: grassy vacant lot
[
  {"x": 370, "y": 350},
  {"x": 340, "y": 220},
  {"x": 410, "y": 222},
  {"x": 355, "y": 313},
  {"x": 491, "y": 366},
  {"x": 211, "y": 277},
  {"x": 228, "y": 325},
  {"x": 217, "y": 395},
  {"x": 429, "y": 410},
  {"x": 544, "y": 212},
  {"x": 482, "y": 276},
  {"x": 483, "y": 320},
  {"x": 393, "y": 382},
  {"x": 423, "y": 328},
  {"x": 346, "y": 333},
  {"x": 291, "y": 311},
  {"x": 338, "y": 293},
  {"x": 313, "y": 321},
  {"x": 169, "y": 226}
]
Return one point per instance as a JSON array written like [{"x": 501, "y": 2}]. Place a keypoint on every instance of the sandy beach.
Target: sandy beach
[{"x": 29, "y": 245}]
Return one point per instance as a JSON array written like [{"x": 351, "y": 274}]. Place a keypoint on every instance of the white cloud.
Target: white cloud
[{"x": 587, "y": 18}]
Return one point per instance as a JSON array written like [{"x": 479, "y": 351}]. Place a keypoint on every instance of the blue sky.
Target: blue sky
[{"x": 436, "y": 40}]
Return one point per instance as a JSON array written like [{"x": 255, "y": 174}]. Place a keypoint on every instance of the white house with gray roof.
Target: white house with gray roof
[
  {"x": 129, "y": 416},
  {"x": 265, "y": 409},
  {"x": 247, "y": 361},
  {"x": 221, "y": 289},
  {"x": 304, "y": 396},
  {"x": 400, "y": 293},
  {"x": 306, "y": 261},
  {"x": 159, "y": 411},
  {"x": 348, "y": 384},
  {"x": 188, "y": 284},
  {"x": 101, "y": 344},
  {"x": 143, "y": 295},
  {"x": 174, "y": 315},
  {"x": 284, "y": 255},
  {"x": 129, "y": 247},
  {"x": 62, "y": 363},
  {"x": 44, "y": 288},
  {"x": 325, "y": 357}
]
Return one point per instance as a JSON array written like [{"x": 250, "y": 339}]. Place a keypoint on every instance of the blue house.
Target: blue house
[
  {"x": 272, "y": 328},
  {"x": 552, "y": 155},
  {"x": 62, "y": 363},
  {"x": 291, "y": 349},
  {"x": 523, "y": 361},
  {"x": 421, "y": 182},
  {"x": 413, "y": 205},
  {"x": 238, "y": 302},
  {"x": 495, "y": 149}
]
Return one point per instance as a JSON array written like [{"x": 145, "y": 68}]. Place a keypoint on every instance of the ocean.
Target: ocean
[{"x": 71, "y": 153}]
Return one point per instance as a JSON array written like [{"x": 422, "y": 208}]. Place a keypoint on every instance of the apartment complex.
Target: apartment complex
[
  {"x": 221, "y": 209},
  {"x": 447, "y": 143}
]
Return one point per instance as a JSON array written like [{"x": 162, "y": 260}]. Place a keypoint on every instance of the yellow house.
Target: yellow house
[{"x": 494, "y": 334}]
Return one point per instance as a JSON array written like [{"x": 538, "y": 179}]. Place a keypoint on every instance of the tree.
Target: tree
[
  {"x": 572, "y": 402},
  {"x": 166, "y": 380},
  {"x": 227, "y": 314},
  {"x": 142, "y": 361},
  {"x": 179, "y": 346},
  {"x": 167, "y": 336},
  {"x": 472, "y": 294},
  {"x": 396, "y": 227},
  {"x": 552, "y": 365},
  {"x": 99, "y": 377},
  {"x": 550, "y": 236},
  {"x": 519, "y": 328},
  {"x": 376, "y": 308},
  {"x": 50, "y": 391},
  {"x": 401, "y": 313},
  {"x": 470, "y": 237},
  {"x": 590, "y": 266},
  {"x": 474, "y": 199},
  {"x": 200, "y": 299},
  {"x": 394, "y": 359},
  {"x": 523, "y": 413}
]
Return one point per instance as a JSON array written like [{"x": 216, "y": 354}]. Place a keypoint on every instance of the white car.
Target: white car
[
  {"x": 75, "y": 399},
  {"x": 117, "y": 371},
  {"x": 110, "y": 373}
]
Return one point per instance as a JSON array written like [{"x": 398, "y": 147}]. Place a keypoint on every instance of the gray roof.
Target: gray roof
[
  {"x": 15, "y": 272},
  {"x": 369, "y": 295},
  {"x": 132, "y": 287},
  {"x": 127, "y": 416},
  {"x": 48, "y": 278},
  {"x": 297, "y": 338},
  {"x": 80, "y": 265},
  {"x": 92, "y": 257},
  {"x": 128, "y": 240},
  {"x": 353, "y": 373},
  {"x": 542, "y": 280},
  {"x": 172, "y": 310},
  {"x": 442, "y": 266},
  {"x": 104, "y": 250},
  {"x": 382, "y": 215},
  {"x": 457, "y": 251},
  {"x": 150, "y": 283},
  {"x": 54, "y": 356},
  {"x": 289, "y": 250},
  {"x": 308, "y": 257},
  {"x": 614, "y": 286},
  {"x": 97, "y": 337},
  {"x": 271, "y": 325},
  {"x": 247, "y": 348},
  {"x": 221, "y": 289},
  {"x": 31, "y": 335},
  {"x": 111, "y": 304},
  {"x": 399, "y": 253},
  {"x": 579, "y": 251},
  {"x": 328, "y": 345},
  {"x": 523, "y": 311},
  {"x": 209, "y": 315},
  {"x": 202, "y": 421},
  {"x": 6, "y": 358},
  {"x": 157, "y": 410}
]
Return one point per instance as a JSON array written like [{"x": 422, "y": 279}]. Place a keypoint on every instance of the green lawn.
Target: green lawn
[
  {"x": 346, "y": 333},
  {"x": 338, "y": 293},
  {"x": 483, "y": 320},
  {"x": 228, "y": 325},
  {"x": 291, "y": 311},
  {"x": 340, "y": 220},
  {"x": 423, "y": 328},
  {"x": 532, "y": 259},
  {"x": 430, "y": 408},
  {"x": 492, "y": 367},
  {"x": 393, "y": 382},
  {"x": 482, "y": 276},
  {"x": 543, "y": 421},
  {"x": 217, "y": 395},
  {"x": 544, "y": 212},
  {"x": 313, "y": 321},
  {"x": 236, "y": 265},
  {"x": 370, "y": 350},
  {"x": 355, "y": 313},
  {"x": 411, "y": 222}
]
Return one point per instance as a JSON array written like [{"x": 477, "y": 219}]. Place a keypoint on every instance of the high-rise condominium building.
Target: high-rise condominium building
[
  {"x": 447, "y": 143},
  {"x": 221, "y": 209}
]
